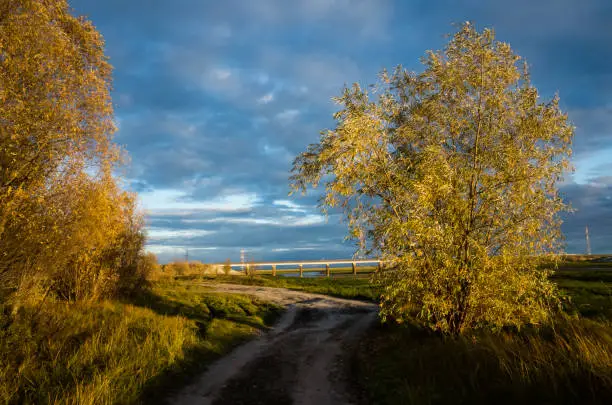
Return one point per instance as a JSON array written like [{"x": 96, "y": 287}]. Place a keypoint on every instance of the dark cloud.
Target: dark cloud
[
  {"x": 593, "y": 129},
  {"x": 593, "y": 205},
  {"x": 214, "y": 99}
]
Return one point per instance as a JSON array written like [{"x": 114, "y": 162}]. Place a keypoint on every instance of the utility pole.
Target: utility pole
[
  {"x": 242, "y": 258},
  {"x": 588, "y": 241},
  {"x": 187, "y": 255}
]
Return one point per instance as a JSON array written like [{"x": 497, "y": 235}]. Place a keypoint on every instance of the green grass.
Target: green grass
[
  {"x": 585, "y": 264},
  {"x": 584, "y": 258},
  {"x": 342, "y": 287},
  {"x": 121, "y": 352},
  {"x": 406, "y": 365},
  {"x": 590, "y": 292},
  {"x": 586, "y": 287},
  {"x": 570, "y": 363}
]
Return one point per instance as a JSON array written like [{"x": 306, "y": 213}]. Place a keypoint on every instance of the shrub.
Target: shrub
[{"x": 227, "y": 267}]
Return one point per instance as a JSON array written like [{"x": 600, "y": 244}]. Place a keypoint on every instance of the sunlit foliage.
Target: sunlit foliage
[
  {"x": 63, "y": 219},
  {"x": 450, "y": 175}
]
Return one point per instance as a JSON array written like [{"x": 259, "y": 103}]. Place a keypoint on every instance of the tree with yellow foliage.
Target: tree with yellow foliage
[
  {"x": 450, "y": 176},
  {"x": 63, "y": 218}
]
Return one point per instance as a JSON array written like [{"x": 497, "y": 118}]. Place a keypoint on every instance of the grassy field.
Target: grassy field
[
  {"x": 590, "y": 292},
  {"x": 588, "y": 285},
  {"x": 569, "y": 362},
  {"x": 349, "y": 287},
  {"x": 121, "y": 352}
]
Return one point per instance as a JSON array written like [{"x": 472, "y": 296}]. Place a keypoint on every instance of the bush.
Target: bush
[
  {"x": 188, "y": 269},
  {"x": 180, "y": 268},
  {"x": 162, "y": 274},
  {"x": 199, "y": 268},
  {"x": 227, "y": 267}
]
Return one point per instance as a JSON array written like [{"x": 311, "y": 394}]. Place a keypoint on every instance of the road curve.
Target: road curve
[{"x": 297, "y": 362}]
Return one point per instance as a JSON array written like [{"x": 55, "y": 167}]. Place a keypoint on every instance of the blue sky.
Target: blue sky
[{"x": 214, "y": 99}]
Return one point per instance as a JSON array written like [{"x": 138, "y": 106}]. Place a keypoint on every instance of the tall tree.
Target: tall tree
[
  {"x": 55, "y": 100},
  {"x": 450, "y": 175},
  {"x": 61, "y": 211}
]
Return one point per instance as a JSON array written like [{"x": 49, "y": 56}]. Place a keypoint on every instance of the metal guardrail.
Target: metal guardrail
[{"x": 355, "y": 267}]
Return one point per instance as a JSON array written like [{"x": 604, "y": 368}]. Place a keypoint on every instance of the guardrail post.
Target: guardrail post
[
  {"x": 354, "y": 269},
  {"x": 274, "y": 270},
  {"x": 327, "y": 272}
]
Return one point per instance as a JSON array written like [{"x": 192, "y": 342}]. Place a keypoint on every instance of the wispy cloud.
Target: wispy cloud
[
  {"x": 287, "y": 117},
  {"x": 180, "y": 202},
  {"x": 221, "y": 74},
  {"x": 266, "y": 98}
]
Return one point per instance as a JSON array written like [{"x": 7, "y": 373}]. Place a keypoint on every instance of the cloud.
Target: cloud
[
  {"x": 221, "y": 74},
  {"x": 593, "y": 142},
  {"x": 367, "y": 18},
  {"x": 155, "y": 234},
  {"x": 289, "y": 205},
  {"x": 221, "y": 32},
  {"x": 178, "y": 202},
  {"x": 214, "y": 99},
  {"x": 266, "y": 98},
  {"x": 262, "y": 230},
  {"x": 287, "y": 117},
  {"x": 298, "y": 73},
  {"x": 281, "y": 220},
  {"x": 593, "y": 128}
]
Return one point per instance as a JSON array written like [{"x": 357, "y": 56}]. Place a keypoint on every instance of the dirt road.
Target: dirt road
[{"x": 298, "y": 362}]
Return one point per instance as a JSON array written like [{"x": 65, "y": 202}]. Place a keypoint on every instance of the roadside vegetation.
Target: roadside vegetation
[
  {"x": 121, "y": 351},
  {"x": 567, "y": 361}
]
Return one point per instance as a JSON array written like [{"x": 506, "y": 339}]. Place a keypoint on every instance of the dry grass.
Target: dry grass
[
  {"x": 569, "y": 365},
  {"x": 569, "y": 362},
  {"x": 113, "y": 352}
]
